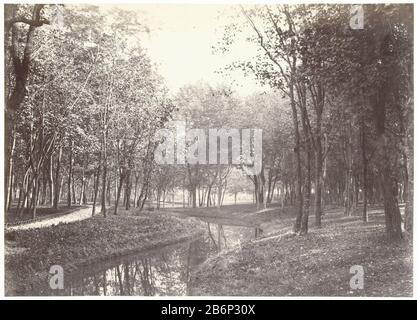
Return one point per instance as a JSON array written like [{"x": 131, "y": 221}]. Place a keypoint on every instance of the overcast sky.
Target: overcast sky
[{"x": 180, "y": 42}]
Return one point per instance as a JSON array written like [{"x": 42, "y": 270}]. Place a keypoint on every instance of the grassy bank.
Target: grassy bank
[
  {"x": 30, "y": 253},
  {"x": 281, "y": 264}
]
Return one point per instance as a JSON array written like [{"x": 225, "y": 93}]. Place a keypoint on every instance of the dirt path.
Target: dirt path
[{"x": 67, "y": 218}]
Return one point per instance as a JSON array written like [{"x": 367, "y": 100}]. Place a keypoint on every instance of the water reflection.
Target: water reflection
[
  {"x": 222, "y": 236},
  {"x": 162, "y": 272}
]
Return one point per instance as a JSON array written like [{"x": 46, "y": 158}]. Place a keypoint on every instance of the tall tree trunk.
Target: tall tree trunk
[
  {"x": 299, "y": 196},
  {"x": 318, "y": 182},
  {"x": 104, "y": 184},
  {"x": 109, "y": 192},
  {"x": 82, "y": 187},
  {"x": 386, "y": 147},
  {"x": 256, "y": 187},
  {"x": 208, "y": 196},
  {"x": 194, "y": 196},
  {"x": 44, "y": 183},
  {"x": 119, "y": 191},
  {"x": 9, "y": 176},
  {"x": 57, "y": 178},
  {"x": 219, "y": 187},
  {"x": 51, "y": 181},
  {"x": 365, "y": 171},
  {"x": 74, "y": 197},
  {"x": 136, "y": 190},
  {"x": 86, "y": 184},
  {"x": 408, "y": 219},
  {"x": 183, "y": 196},
  {"x": 35, "y": 195},
  {"x": 261, "y": 190},
  {"x": 128, "y": 188},
  {"x": 388, "y": 182},
  {"x": 69, "y": 202},
  {"x": 307, "y": 193},
  {"x": 348, "y": 172},
  {"x": 308, "y": 146},
  {"x": 392, "y": 211},
  {"x": 97, "y": 181},
  {"x": 269, "y": 192},
  {"x": 19, "y": 201}
]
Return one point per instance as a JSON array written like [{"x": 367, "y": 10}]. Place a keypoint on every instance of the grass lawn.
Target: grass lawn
[{"x": 282, "y": 264}]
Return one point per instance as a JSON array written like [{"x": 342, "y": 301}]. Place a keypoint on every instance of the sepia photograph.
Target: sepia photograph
[{"x": 208, "y": 149}]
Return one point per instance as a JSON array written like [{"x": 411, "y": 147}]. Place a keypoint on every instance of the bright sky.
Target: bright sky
[{"x": 180, "y": 43}]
